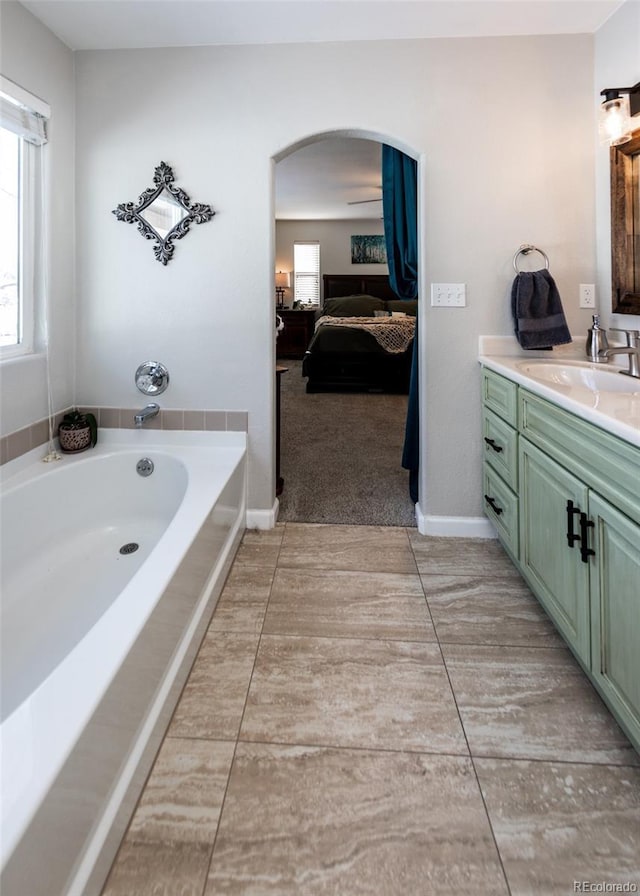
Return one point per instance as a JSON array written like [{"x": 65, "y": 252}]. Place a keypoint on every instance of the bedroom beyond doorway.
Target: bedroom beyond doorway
[{"x": 341, "y": 456}]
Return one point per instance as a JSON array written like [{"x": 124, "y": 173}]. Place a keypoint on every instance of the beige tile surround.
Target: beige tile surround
[
  {"x": 23, "y": 440},
  {"x": 374, "y": 712}
]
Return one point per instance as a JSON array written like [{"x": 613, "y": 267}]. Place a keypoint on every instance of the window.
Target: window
[
  {"x": 10, "y": 322},
  {"x": 306, "y": 273},
  {"x": 22, "y": 135}
]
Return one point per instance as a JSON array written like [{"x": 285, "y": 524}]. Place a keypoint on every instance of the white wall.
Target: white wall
[
  {"x": 617, "y": 64},
  {"x": 335, "y": 245},
  {"x": 493, "y": 174},
  {"x": 31, "y": 56},
  {"x": 503, "y": 129}
]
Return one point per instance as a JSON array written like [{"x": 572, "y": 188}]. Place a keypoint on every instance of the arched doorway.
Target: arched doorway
[{"x": 354, "y": 188}]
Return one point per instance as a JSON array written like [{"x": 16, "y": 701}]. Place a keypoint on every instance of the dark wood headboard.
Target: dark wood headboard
[{"x": 336, "y": 285}]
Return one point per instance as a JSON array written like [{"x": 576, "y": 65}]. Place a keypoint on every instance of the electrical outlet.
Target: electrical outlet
[
  {"x": 448, "y": 295},
  {"x": 587, "y": 295}
]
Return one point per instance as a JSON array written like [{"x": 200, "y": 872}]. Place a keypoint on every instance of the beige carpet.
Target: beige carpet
[{"x": 341, "y": 456}]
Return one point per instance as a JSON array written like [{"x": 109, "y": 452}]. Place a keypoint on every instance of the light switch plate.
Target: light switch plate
[{"x": 448, "y": 295}]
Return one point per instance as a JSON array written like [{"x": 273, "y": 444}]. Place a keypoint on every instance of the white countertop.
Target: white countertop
[{"x": 615, "y": 412}]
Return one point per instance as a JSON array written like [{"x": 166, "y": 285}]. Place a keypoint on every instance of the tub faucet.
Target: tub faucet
[
  {"x": 151, "y": 410},
  {"x": 632, "y": 349}
]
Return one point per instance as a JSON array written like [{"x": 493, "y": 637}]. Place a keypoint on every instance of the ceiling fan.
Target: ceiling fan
[{"x": 363, "y": 201}]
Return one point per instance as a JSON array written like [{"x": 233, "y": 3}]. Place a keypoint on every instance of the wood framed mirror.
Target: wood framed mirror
[{"x": 625, "y": 226}]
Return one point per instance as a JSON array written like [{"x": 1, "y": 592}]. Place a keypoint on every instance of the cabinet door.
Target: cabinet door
[
  {"x": 615, "y": 612},
  {"x": 555, "y": 571}
]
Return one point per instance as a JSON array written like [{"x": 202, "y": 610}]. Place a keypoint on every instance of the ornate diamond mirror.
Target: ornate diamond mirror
[
  {"x": 163, "y": 213},
  {"x": 625, "y": 226}
]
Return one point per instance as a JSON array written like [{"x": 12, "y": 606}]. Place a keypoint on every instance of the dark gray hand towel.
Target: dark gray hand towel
[{"x": 537, "y": 311}]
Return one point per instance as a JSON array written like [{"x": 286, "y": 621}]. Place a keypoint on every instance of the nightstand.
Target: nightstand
[{"x": 292, "y": 342}]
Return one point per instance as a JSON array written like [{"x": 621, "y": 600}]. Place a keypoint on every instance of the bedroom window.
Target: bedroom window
[
  {"x": 306, "y": 272},
  {"x": 22, "y": 135}
]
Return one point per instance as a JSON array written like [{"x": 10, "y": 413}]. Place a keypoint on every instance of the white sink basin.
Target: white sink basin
[{"x": 581, "y": 376}]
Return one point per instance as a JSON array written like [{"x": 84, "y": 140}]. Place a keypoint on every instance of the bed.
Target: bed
[{"x": 363, "y": 339}]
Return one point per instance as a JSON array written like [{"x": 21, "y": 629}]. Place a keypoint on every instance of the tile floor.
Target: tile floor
[{"x": 374, "y": 712}]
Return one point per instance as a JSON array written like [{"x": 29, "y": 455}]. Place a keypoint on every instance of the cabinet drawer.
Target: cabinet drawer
[
  {"x": 501, "y": 506},
  {"x": 610, "y": 465},
  {"x": 500, "y": 395},
  {"x": 501, "y": 447}
]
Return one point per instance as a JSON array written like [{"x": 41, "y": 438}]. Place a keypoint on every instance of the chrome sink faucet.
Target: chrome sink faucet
[
  {"x": 632, "y": 349},
  {"x": 147, "y": 413}
]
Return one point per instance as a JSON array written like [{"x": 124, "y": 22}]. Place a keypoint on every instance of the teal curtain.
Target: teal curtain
[{"x": 400, "y": 210}]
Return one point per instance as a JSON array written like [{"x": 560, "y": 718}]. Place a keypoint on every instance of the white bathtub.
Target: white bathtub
[{"x": 96, "y": 644}]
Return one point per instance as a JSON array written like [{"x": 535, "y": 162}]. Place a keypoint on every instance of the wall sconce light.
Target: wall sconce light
[
  {"x": 619, "y": 106},
  {"x": 283, "y": 281}
]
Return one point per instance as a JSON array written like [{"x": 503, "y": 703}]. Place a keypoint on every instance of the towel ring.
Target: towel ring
[{"x": 524, "y": 250}]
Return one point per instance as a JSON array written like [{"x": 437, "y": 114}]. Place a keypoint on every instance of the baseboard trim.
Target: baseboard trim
[
  {"x": 443, "y": 526},
  {"x": 454, "y": 526},
  {"x": 263, "y": 519}
]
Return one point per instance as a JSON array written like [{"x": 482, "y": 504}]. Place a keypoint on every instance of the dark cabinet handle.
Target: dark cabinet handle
[
  {"x": 571, "y": 536},
  {"x": 585, "y": 525},
  {"x": 492, "y": 443},
  {"x": 492, "y": 504}
]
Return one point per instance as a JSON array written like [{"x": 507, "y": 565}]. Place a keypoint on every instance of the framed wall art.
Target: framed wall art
[{"x": 369, "y": 249}]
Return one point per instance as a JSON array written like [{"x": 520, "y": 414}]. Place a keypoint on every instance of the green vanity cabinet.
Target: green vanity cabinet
[
  {"x": 551, "y": 500},
  {"x": 500, "y": 471},
  {"x": 615, "y": 612},
  {"x": 570, "y": 519}
]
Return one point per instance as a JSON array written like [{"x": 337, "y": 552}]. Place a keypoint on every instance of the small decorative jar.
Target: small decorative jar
[{"x": 77, "y": 432}]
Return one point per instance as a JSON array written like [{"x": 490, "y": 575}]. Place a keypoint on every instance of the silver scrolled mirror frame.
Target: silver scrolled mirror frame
[{"x": 131, "y": 213}]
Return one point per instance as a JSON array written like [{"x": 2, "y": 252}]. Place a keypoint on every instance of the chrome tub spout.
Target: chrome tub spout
[{"x": 147, "y": 413}]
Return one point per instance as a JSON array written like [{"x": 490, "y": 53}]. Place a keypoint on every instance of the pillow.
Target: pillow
[
  {"x": 352, "y": 306},
  {"x": 398, "y": 314},
  {"x": 377, "y": 313},
  {"x": 408, "y": 306}
]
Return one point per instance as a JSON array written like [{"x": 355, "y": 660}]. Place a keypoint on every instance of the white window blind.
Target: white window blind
[
  {"x": 22, "y": 137},
  {"x": 306, "y": 272},
  {"x": 22, "y": 113}
]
